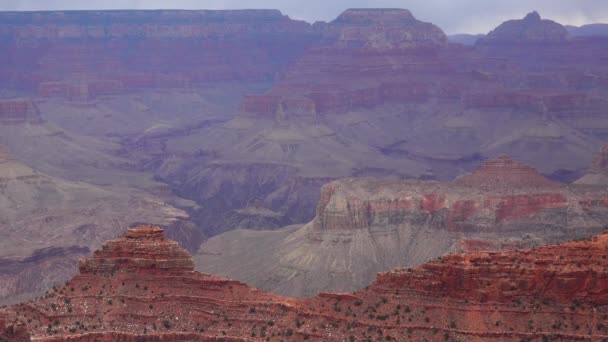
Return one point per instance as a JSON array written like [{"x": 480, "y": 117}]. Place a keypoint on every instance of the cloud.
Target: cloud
[{"x": 454, "y": 16}]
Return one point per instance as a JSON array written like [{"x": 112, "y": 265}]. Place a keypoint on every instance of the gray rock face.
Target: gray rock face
[{"x": 531, "y": 29}]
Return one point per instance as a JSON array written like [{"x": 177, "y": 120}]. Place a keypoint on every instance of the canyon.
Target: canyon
[
  {"x": 364, "y": 226},
  {"x": 347, "y": 139},
  {"x": 142, "y": 287}
]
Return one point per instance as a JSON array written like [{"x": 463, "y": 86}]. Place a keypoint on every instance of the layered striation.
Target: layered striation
[
  {"x": 18, "y": 111},
  {"x": 364, "y": 226},
  {"x": 83, "y": 55},
  {"x": 556, "y": 292},
  {"x": 139, "y": 250},
  {"x": 503, "y": 172}
]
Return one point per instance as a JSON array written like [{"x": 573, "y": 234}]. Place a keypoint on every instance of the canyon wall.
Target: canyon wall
[
  {"x": 18, "y": 111},
  {"x": 83, "y": 54}
]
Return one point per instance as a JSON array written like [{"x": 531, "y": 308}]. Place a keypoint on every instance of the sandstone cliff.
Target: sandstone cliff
[{"x": 556, "y": 293}]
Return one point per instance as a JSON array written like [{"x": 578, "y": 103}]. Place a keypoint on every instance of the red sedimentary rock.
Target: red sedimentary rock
[
  {"x": 556, "y": 292},
  {"x": 140, "y": 250},
  {"x": 501, "y": 195},
  {"x": 16, "y": 111},
  {"x": 504, "y": 172}
]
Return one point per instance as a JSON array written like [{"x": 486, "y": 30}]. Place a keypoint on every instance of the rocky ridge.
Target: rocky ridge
[{"x": 471, "y": 296}]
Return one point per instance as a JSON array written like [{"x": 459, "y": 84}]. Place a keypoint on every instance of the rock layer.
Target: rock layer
[
  {"x": 504, "y": 172},
  {"x": 140, "y": 250},
  {"x": 555, "y": 292},
  {"x": 364, "y": 226},
  {"x": 17, "y": 111},
  {"x": 531, "y": 29}
]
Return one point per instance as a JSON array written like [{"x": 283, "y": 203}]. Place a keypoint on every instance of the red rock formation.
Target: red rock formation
[
  {"x": 563, "y": 273},
  {"x": 531, "y": 29},
  {"x": 140, "y": 250},
  {"x": 17, "y": 111},
  {"x": 504, "y": 172},
  {"x": 498, "y": 192},
  {"x": 555, "y": 292}
]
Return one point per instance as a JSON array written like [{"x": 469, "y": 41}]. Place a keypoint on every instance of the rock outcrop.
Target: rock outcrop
[
  {"x": 364, "y": 226},
  {"x": 141, "y": 250},
  {"x": 17, "y": 111},
  {"x": 382, "y": 29},
  {"x": 530, "y": 30},
  {"x": 555, "y": 292},
  {"x": 505, "y": 173}
]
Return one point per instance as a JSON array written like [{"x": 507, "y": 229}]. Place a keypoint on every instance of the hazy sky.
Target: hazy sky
[{"x": 454, "y": 16}]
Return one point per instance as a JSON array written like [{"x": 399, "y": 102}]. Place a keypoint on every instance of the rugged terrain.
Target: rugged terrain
[
  {"x": 365, "y": 226},
  {"x": 238, "y": 118},
  {"x": 246, "y": 114},
  {"x": 142, "y": 287},
  {"x": 47, "y": 223}
]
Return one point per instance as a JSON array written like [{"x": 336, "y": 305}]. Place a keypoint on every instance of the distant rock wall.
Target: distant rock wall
[{"x": 15, "y": 111}]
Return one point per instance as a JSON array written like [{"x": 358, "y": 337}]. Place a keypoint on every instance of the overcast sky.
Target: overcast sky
[{"x": 454, "y": 16}]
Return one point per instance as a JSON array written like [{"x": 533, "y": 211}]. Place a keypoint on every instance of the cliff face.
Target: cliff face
[
  {"x": 85, "y": 54},
  {"x": 475, "y": 297}
]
